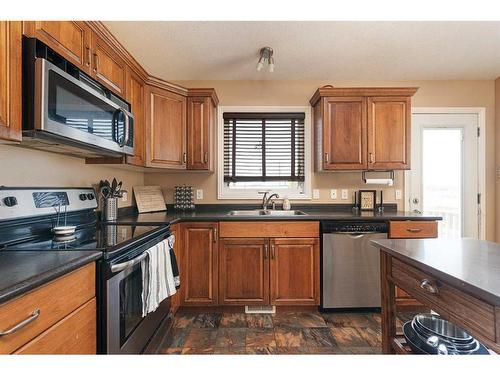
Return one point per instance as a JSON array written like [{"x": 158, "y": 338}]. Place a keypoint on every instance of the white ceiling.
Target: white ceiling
[{"x": 314, "y": 50}]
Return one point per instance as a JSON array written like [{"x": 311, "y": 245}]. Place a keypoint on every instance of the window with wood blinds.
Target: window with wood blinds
[{"x": 263, "y": 148}]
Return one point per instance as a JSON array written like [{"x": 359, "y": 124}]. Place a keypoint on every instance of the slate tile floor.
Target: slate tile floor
[{"x": 281, "y": 333}]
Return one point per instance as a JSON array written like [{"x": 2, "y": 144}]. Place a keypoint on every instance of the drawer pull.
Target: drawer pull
[
  {"x": 414, "y": 230},
  {"x": 428, "y": 286},
  {"x": 24, "y": 323}
]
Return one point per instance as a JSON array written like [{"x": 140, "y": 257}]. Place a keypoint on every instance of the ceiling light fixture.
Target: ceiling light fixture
[{"x": 266, "y": 55}]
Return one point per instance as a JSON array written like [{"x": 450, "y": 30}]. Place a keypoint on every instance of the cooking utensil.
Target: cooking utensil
[{"x": 431, "y": 324}]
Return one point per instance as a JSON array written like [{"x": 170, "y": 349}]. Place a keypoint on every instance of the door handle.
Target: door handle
[
  {"x": 96, "y": 62},
  {"x": 184, "y": 158},
  {"x": 87, "y": 48},
  {"x": 273, "y": 253},
  {"x": 34, "y": 315},
  {"x": 371, "y": 158},
  {"x": 266, "y": 252},
  {"x": 205, "y": 157},
  {"x": 215, "y": 235},
  {"x": 327, "y": 158}
]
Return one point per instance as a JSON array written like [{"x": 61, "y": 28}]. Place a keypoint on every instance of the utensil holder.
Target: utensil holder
[{"x": 110, "y": 210}]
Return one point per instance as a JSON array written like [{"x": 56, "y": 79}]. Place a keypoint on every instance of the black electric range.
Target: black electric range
[{"x": 27, "y": 220}]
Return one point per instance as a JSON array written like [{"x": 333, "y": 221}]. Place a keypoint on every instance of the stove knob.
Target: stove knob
[
  {"x": 83, "y": 197},
  {"x": 90, "y": 196},
  {"x": 10, "y": 201}
]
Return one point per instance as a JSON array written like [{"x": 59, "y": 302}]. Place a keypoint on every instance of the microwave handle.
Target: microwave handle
[{"x": 126, "y": 127}]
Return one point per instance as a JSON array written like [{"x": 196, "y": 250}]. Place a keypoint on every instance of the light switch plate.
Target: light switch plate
[
  {"x": 398, "y": 194},
  {"x": 315, "y": 193},
  {"x": 345, "y": 193},
  {"x": 199, "y": 193},
  {"x": 124, "y": 196},
  {"x": 333, "y": 193}
]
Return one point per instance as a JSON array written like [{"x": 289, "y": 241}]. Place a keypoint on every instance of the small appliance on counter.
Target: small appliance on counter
[
  {"x": 431, "y": 334},
  {"x": 184, "y": 198},
  {"x": 28, "y": 219}
]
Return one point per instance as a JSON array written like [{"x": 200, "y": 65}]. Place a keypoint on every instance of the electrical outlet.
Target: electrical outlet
[
  {"x": 124, "y": 196},
  {"x": 398, "y": 194},
  {"x": 199, "y": 194},
  {"x": 333, "y": 193},
  {"x": 344, "y": 193},
  {"x": 315, "y": 193}
]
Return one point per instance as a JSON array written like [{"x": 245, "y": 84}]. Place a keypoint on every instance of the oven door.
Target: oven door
[
  {"x": 127, "y": 332},
  {"x": 72, "y": 109}
]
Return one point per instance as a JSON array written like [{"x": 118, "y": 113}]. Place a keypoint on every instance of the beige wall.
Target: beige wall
[
  {"x": 25, "y": 167},
  {"x": 430, "y": 94},
  {"x": 497, "y": 156}
]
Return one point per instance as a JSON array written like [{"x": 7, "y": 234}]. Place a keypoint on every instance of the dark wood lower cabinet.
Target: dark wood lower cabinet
[
  {"x": 244, "y": 271},
  {"x": 199, "y": 273},
  {"x": 294, "y": 271}
]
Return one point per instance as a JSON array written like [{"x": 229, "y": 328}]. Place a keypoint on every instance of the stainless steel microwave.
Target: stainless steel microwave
[{"x": 75, "y": 115}]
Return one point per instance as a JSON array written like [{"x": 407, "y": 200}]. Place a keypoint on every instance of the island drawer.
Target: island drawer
[
  {"x": 413, "y": 229},
  {"x": 43, "y": 307},
  {"x": 445, "y": 299},
  {"x": 268, "y": 229}
]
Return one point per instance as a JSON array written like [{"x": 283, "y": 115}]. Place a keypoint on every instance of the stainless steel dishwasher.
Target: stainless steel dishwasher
[{"x": 350, "y": 264}]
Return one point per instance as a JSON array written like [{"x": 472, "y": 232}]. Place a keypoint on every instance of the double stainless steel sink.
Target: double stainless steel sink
[{"x": 266, "y": 213}]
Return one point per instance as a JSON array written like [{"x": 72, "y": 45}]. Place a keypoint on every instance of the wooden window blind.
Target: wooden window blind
[{"x": 263, "y": 146}]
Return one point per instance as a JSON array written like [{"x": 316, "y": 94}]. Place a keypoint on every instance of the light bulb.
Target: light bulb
[
  {"x": 271, "y": 64},
  {"x": 260, "y": 66}
]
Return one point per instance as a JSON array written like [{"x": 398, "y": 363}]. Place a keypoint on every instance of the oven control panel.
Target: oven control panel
[{"x": 16, "y": 203}]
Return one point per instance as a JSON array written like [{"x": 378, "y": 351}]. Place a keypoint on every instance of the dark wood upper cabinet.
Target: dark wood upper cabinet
[
  {"x": 166, "y": 129},
  {"x": 294, "y": 271},
  {"x": 10, "y": 81},
  {"x": 136, "y": 98},
  {"x": 243, "y": 271},
  {"x": 362, "y": 128},
  {"x": 199, "y": 273},
  {"x": 71, "y": 39},
  {"x": 107, "y": 66},
  {"x": 389, "y": 132},
  {"x": 201, "y": 124},
  {"x": 344, "y": 137}
]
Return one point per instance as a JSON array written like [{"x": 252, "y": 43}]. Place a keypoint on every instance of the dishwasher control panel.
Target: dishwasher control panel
[{"x": 354, "y": 227}]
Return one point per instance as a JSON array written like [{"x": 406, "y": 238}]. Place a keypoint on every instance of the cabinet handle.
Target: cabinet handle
[
  {"x": 96, "y": 62},
  {"x": 34, "y": 315},
  {"x": 414, "y": 230},
  {"x": 371, "y": 158},
  {"x": 205, "y": 157},
  {"x": 87, "y": 48},
  {"x": 327, "y": 158},
  {"x": 273, "y": 254},
  {"x": 215, "y": 234},
  {"x": 428, "y": 286},
  {"x": 184, "y": 158},
  {"x": 266, "y": 252}
]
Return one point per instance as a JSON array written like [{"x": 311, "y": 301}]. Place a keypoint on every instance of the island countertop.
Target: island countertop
[{"x": 469, "y": 264}]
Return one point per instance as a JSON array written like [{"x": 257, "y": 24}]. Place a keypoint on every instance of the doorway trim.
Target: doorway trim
[{"x": 481, "y": 157}]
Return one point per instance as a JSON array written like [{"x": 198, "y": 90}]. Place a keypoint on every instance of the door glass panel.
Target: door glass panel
[
  {"x": 130, "y": 303},
  {"x": 70, "y": 105},
  {"x": 442, "y": 178}
]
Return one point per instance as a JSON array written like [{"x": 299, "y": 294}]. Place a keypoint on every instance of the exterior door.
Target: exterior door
[
  {"x": 444, "y": 176},
  {"x": 244, "y": 271},
  {"x": 199, "y": 264},
  {"x": 344, "y": 139},
  {"x": 294, "y": 271}
]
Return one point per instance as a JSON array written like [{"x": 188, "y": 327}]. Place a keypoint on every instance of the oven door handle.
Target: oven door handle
[{"x": 123, "y": 266}]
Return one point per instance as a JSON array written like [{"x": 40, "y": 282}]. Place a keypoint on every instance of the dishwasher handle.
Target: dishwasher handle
[{"x": 354, "y": 234}]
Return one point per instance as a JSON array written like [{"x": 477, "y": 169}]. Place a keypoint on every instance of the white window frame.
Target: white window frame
[{"x": 223, "y": 192}]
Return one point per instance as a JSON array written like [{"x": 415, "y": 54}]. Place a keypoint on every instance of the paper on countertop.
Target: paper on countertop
[{"x": 149, "y": 199}]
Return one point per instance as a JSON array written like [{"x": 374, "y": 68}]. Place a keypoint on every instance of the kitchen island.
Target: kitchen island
[{"x": 459, "y": 279}]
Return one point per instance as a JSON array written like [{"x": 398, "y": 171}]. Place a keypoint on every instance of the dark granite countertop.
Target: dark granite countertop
[
  {"x": 21, "y": 271},
  {"x": 468, "y": 264},
  {"x": 215, "y": 212}
]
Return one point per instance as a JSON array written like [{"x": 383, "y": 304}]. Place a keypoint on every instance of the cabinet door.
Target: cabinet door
[
  {"x": 176, "y": 299},
  {"x": 10, "y": 80},
  {"x": 166, "y": 134},
  {"x": 344, "y": 133},
  {"x": 198, "y": 133},
  {"x": 389, "y": 132},
  {"x": 135, "y": 96},
  {"x": 71, "y": 39},
  {"x": 199, "y": 264},
  {"x": 243, "y": 271},
  {"x": 294, "y": 271},
  {"x": 107, "y": 66}
]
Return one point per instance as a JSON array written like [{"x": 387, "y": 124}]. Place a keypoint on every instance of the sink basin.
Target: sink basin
[{"x": 266, "y": 213}]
